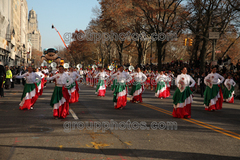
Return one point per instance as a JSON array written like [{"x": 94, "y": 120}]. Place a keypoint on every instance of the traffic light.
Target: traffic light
[
  {"x": 190, "y": 42},
  {"x": 185, "y": 41}
]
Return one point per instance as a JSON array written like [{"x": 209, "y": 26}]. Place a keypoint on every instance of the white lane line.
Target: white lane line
[{"x": 73, "y": 114}]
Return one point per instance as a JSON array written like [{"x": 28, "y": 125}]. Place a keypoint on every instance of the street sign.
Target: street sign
[{"x": 213, "y": 35}]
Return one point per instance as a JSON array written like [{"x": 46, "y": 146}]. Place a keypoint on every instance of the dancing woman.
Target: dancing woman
[
  {"x": 138, "y": 86},
  {"x": 74, "y": 89},
  {"x": 161, "y": 90},
  {"x": 213, "y": 97},
  {"x": 40, "y": 84},
  {"x": 120, "y": 90},
  {"x": 30, "y": 91},
  {"x": 228, "y": 94},
  {"x": 182, "y": 98},
  {"x": 60, "y": 97},
  {"x": 101, "y": 86}
]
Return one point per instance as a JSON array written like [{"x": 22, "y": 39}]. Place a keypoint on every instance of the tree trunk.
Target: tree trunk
[
  {"x": 203, "y": 55},
  {"x": 159, "y": 48},
  {"x": 140, "y": 52},
  {"x": 120, "y": 48},
  {"x": 144, "y": 57},
  {"x": 109, "y": 57}
]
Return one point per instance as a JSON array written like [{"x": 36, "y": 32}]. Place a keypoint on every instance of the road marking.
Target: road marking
[
  {"x": 128, "y": 143},
  {"x": 194, "y": 121},
  {"x": 73, "y": 114},
  {"x": 97, "y": 145}
]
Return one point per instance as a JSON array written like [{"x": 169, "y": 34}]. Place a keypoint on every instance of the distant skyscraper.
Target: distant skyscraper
[{"x": 33, "y": 33}]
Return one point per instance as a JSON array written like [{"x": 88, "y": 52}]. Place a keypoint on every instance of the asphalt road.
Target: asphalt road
[{"x": 36, "y": 135}]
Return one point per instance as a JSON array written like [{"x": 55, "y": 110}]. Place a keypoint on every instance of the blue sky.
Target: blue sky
[{"x": 66, "y": 15}]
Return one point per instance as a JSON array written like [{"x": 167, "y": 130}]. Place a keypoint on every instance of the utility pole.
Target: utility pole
[
  {"x": 213, "y": 46},
  {"x": 151, "y": 53},
  {"x": 214, "y": 36}
]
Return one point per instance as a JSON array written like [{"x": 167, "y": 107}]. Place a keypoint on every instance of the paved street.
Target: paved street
[{"x": 36, "y": 135}]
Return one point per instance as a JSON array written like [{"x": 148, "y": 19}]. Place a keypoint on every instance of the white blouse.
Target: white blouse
[
  {"x": 61, "y": 79},
  {"x": 139, "y": 76},
  {"x": 30, "y": 77},
  {"x": 102, "y": 75},
  {"x": 40, "y": 74},
  {"x": 89, "y": 75},
  {"x": 160, "y": 78},
  {"x": 74, "y": 75},
  {"x": 122, "y": 77},
  {"x": 214, "y": 78},
  {"x": 229, "y": 81},
  {"x": 186, "y": 79}
]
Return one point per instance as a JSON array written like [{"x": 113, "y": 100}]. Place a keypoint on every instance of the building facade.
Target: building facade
[
  {"x": 33, "y": 32},
  {"x": 18, "y": 32},
  {"x": 6, "y": 38}
]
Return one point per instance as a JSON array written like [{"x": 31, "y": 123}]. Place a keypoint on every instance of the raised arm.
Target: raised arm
[
  {"x": 97, "y": 75},
  {"x": 52, "y": 78},
  {"x": 78, "y": 76},
  {"x": 113, "y": 76},
  {"x": 22, "y": 76}
]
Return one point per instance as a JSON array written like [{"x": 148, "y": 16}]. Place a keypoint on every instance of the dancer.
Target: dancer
[
  {"x": 2, "y": 78},
  {"x": 228, "y": 94},
  {"x": 182, "y": 98},
  {"x": 30, "y": 92},
  {"x": 148, "y": 80},
  {"x": 74, "y": 89},
  {"x": 168, "y": 83},
  {"x": 120, "y": 90},
  {"x": 138, "y": 86},
  {"x": 213, "y": 97},
  {"x": 8, "y": 78},
  {"x": 114, "y": 80},
  {"x": 161, "y": 90},
  {"x": 101, "y": 86},
  {"x": 40, "y": 84},
  {"x": 60, "y": 97},
  {"x": 152, "y": 77}
]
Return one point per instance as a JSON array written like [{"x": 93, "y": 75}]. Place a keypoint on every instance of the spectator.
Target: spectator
[
  {"x": 238, "y": 65},
  {"x": 8, "y": 77},
  {"x": 13, "y": 70},
  {"x": 2, "y": 77}
]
